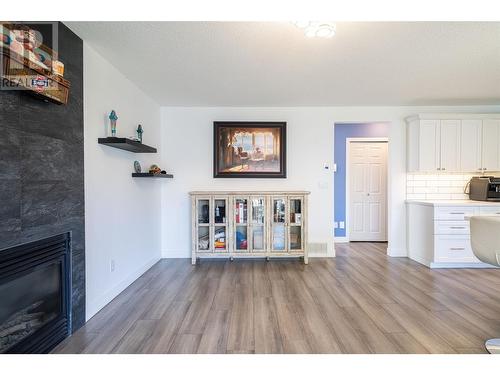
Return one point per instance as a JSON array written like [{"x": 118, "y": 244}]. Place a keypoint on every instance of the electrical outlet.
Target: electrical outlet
[
  {"x": 342, "y": 225},
  {"x": 335, "y": 224},
  {"x": 112, "y": 265}
]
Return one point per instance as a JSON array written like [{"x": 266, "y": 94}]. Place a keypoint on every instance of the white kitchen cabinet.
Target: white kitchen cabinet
[
  {"x": 429, "y": 145},
  {"x": 449, "y": 141},
  {"x": 490, "y": 145},
  {"x": 470, "y": 145},
  {"x": 439, "y": 232},
  {"x": 454, "y": 143},
  {"x": 434, "y": 145}
]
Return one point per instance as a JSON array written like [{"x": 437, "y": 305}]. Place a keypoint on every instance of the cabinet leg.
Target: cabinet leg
[
  {"x": 193, "y": 261},
  {"x": 306, "y": 260},
  {"x": 231, "y": 259},
  {"x": 267, "y": 259}
]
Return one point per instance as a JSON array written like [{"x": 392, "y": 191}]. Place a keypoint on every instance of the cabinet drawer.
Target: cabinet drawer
[
  {"x": 453, "y": 213},
  {"x": 489, "y": 210},
  {"x": 453, "y": 249},
  {"x": 451, "y": 227}
]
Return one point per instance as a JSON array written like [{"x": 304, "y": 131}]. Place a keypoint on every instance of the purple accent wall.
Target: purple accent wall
[{"x": 341, "y": 133}]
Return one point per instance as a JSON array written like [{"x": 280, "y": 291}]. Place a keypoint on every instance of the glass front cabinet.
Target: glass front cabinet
[{"x": 249, "y": 224}]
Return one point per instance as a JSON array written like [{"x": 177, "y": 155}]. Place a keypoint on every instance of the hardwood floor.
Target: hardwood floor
[{"x": 359, "y": 302}]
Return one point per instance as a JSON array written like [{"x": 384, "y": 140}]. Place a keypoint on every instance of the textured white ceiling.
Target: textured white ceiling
[{"x": 274, "y": 64}]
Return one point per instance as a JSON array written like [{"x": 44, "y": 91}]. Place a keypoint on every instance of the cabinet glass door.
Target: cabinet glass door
[
  {"x": 203, "y": 242},
  {"x": 220, "y": 216},
  {"x": 204, "y": 238},
  {"x": 203, "y": 208},
  {"x": 220, "y": 240},
  {"x": 258, "y": 223},
  {"x": 279, "y": 224},
  {"x": 295, "y": 224},
  {"x": 241, "y": 224}
]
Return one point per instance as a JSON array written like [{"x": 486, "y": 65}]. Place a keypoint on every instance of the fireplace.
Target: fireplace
[{"x": 35, "y": 312}]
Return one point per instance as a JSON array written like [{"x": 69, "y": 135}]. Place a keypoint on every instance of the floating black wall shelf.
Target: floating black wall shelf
[
  {"x": 126, "y": 144},
  {"x": 151, "y": 175}
]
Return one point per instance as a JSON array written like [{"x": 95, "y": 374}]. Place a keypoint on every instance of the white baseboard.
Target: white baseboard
[
  {"x": 93, "y": 306},
  {"x": 340, "y": 239},
  {"x": 175, "y": 253},
  {"x": 397, "y": 252},
  {"x": 460, "y": 265}
]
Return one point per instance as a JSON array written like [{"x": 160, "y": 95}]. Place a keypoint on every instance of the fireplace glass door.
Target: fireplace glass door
[{"x": 28, "y": 303}]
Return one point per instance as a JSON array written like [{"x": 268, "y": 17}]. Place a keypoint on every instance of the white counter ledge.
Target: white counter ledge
[{"x": 453, "y": 203}]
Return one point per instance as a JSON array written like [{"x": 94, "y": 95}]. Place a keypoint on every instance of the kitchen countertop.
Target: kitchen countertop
[{"x": 457, "y": 202}]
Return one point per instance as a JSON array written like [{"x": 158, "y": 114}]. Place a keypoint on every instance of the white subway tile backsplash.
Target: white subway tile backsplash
[
  {"x": 417, "y": 183},
  {"x": 437, "y": 186}
]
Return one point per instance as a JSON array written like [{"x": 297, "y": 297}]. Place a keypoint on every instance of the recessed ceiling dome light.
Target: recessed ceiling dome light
[{"x": 319, "y": 29}]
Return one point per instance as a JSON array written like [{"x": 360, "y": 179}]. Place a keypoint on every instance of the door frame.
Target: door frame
[{"x": 348, "y": 176}]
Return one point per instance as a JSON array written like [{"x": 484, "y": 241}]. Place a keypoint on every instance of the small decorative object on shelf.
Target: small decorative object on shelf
[
  {"x": 137, "y": 167},
  {"x": 139, "y": 133},
  {"x": 58, "y": 68},
  {"x": 154, "y": 169},
  {"x": 112, "y": 118}
]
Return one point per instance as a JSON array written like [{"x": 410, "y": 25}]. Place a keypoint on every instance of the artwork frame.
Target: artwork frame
[{"x": 237, "y": 154}]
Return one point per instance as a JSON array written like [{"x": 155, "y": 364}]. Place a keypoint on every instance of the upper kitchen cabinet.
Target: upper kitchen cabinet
[
  {"x": 490, "y": 151},
  {"x": 433, "y": 145},
  {"x": 454, "y": 143},
  {"x": 471, "y": 145}
]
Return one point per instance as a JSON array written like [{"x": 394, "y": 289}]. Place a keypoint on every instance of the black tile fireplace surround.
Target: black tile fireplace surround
[
  {"x": 42, "y": 169},
  {"x": 35, "y": 303}
]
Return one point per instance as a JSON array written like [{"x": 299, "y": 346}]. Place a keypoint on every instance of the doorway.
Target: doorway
[
  {"x": 366, "y": 190},
  {"x": 367, "y": 219}
]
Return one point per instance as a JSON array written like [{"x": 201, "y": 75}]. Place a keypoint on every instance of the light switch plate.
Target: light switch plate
[{"x": 342, "y": 225}]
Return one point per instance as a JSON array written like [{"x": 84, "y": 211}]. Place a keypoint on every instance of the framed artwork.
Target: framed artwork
[{"x": 249, "y": 149}]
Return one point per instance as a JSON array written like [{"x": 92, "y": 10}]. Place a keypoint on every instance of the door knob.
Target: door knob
[{"x": 368, "y": 194}]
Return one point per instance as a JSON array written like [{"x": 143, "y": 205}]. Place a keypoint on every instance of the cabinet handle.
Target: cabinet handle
[
  {"x": 457, "y": 248},
  {"x": 438, "y": 169},
  {"x": 443, "y": 169},
  {"x": 457, "y": 213},
  {"x": 457, "y": 228}
]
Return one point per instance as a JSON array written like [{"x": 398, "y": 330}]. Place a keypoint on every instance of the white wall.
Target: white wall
[
  {"x": 122, "y": 214},
  {"x": 187, "y": 136}
]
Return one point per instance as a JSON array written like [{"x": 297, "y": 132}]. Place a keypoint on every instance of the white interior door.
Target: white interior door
[{"x": 367, "y": 204}]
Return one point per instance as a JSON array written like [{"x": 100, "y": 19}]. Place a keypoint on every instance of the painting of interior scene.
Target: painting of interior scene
[{"x": 250, "y": 149}]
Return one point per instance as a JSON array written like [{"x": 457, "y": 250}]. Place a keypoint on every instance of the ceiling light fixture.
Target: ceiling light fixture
[{"x": 319, "y": 29}]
